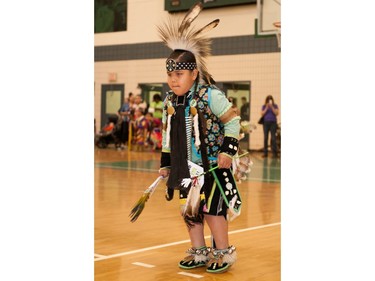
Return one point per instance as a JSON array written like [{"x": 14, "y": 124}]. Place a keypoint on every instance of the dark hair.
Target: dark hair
[
  {"x": 268, "y": 98},
  {"x": 182, "y": 56},
  {"x": 187, "y": 56},
  {"x": 156, "y": 97},
  {"x": 233, "y": 101}
]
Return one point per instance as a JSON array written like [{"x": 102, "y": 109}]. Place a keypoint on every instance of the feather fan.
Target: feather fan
[{"x": 140, "y": 204}]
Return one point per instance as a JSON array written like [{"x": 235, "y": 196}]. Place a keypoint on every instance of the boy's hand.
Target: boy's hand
[
  {"x": 164, "y": 172},
  {"x": 224, "y": 161}
]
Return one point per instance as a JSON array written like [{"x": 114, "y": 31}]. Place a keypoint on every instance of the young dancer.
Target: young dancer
[{"x": 199, "y": 127}]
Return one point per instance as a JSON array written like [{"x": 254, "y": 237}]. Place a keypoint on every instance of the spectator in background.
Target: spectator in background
[
  {"x": 139, "y": 104},
  {"x": 154, "y": 131},
  {"x": 234, "y": 104},
  {"x": 245, "y": 110},
  {"x": 270, "y": 110},
  {"x": 108, "y": 128},
  {"x": 245, "y": 116},
  {"x": 125, "y": 113},
  {"x": 156, "y": 107},
  {"x": 141, "y": 125}
]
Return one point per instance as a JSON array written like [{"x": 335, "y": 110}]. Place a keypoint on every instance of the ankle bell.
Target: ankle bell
[{"x": 221, "y": 256}]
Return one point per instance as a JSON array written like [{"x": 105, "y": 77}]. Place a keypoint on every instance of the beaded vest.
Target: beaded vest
[{"x": 213, "y": 128}]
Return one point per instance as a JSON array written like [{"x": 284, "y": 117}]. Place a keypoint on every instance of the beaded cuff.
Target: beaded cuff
[{"x": 229, "y": 146}]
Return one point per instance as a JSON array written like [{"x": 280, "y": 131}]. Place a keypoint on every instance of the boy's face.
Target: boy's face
[{"x": 180, "y": 81}]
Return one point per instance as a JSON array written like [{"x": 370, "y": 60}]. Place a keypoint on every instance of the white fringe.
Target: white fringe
[
  {"x": 230, "y": 258},
  {"x": 167, "y": 140},
  {"x": 199, "y": 258},
  {"x": 196, "y": 131},
  {"x": 235, "y": 162}
]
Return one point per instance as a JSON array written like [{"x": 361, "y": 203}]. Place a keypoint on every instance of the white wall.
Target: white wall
[{"x": 144, "y": 15}]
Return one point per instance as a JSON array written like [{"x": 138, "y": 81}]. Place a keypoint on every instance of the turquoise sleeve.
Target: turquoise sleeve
[{"x": 219, "y": 105}]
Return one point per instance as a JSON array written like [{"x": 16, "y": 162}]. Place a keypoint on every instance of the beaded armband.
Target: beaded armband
[
  {"x": 197, "y": 254},
  {"x": 229, "y": 146}
]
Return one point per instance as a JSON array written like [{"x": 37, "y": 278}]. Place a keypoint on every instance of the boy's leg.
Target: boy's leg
[
  {"x": 219, "y": 229},
  {"x": 196, "y": 235},
  {"x": 198, "y": 253},
  {"x": 221, "y": 256}
]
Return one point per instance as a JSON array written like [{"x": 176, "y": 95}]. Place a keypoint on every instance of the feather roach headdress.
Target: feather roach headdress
[{"x": 178, "y": 35}]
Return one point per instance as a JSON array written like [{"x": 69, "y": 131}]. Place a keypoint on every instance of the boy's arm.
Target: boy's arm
[{"x": 222, "y": 108}]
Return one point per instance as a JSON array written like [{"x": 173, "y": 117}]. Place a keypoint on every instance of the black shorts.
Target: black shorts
[{"x": 217, "y": 203}]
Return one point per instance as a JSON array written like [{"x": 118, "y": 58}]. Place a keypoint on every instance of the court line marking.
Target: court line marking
[
  {"x": 262, "y": 180},
  {"x": 125, "y": 168},
  {"x": 143, "y": 264},
  {"x": 190, "y": 275},
  {"x": 99, "y": 256},
  {"x": 181, "y": 242}
]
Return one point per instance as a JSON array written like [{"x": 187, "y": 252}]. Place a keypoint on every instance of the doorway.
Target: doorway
[
  {"x": 150, "y": 89},
  {"x": 240, "y": 94},
  {"x": 112, "y": 99}
]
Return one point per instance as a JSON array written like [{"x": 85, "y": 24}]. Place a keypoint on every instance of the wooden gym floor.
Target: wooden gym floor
[{"x": 151, "y": 247}]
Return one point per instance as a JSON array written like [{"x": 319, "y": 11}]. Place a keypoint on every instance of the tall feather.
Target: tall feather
[
  {"x": 190, "y": 16},
  {"x": 207, "y": 27}
]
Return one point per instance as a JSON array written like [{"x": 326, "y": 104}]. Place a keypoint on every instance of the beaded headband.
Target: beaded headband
[{"x": 172, "y": 65}]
